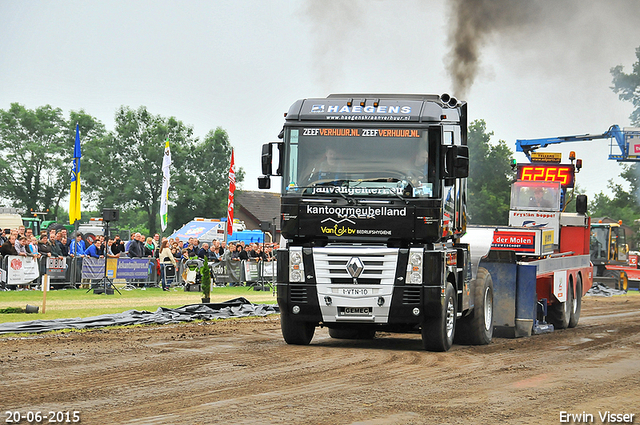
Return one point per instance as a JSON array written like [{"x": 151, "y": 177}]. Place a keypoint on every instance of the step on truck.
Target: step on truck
[{"x": 373, "y": 209}]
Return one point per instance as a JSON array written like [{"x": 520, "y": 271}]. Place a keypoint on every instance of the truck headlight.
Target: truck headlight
[
  {"x": 414, "y": 267},
  {"x": 296, "y": 258},
  {"x": 296, "y": 266}
]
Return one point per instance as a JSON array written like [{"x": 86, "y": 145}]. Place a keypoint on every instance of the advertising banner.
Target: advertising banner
[
  {"x": 21, "y": 270},
  {"x": 56, "y": 267},
  {"x": 356, "y": 221},
  {"x": 126, "y": 268}
]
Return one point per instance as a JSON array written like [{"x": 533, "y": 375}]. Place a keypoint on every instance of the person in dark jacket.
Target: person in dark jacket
[
  {"x": 136, "y": 248},
  {"x": 8, "y": 248}
]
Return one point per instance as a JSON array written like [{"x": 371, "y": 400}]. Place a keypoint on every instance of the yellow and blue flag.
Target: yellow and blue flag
[{"x": 74, "y": 199}]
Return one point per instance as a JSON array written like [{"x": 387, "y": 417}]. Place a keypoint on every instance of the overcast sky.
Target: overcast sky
[{"x": 240, "y": 64}]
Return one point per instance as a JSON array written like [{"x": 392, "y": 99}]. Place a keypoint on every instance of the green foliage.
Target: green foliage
[
  {"x": 36, "y": 147},
  {"x": 205, "y": 280},
  {"x": 490, "y": 177},
  {"x": 125, "y": 170},
  {"x": 627, "y": 86}
]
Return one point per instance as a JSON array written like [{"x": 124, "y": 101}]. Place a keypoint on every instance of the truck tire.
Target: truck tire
[
  {"x": 296, "y": 332},
  {"x": 613, "y": 275},
  {"x": 347, "y": 333},
  {"x": 477, "y": 327},
  {"x": 560, "y": 313},
  {"x": 90, "y": 238},
  {"x": 577, "y": 304},
  {"x": 438, "y": 332}
]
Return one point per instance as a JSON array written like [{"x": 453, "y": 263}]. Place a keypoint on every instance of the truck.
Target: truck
[
  {"x": 373, "y": 211},
  {"x": 614, "y": 265}
]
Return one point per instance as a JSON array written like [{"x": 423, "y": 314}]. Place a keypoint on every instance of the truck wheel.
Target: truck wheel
[
  {"x": 560, "y": 313},
  {"x": 613, "y": 275},
  {"x": 576, "y": 304},
  {"x": 296, "y": 332},
  {"x": 477, "y": 327},
  {"x": 346, "y": 333},
  {"x": 438, "y": 332},
  {"x": 90, "y": 238}
]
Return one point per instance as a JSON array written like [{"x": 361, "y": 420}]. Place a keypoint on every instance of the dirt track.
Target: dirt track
[{"x": 242, "y": 372}]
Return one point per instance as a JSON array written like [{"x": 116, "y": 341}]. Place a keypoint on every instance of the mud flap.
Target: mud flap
[
  {"x": 514, "y": 294},
  {"x": 503, "y": 270}
]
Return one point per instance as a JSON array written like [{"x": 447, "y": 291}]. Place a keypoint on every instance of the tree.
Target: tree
[
  {"x": 490, "y": 177},
  {"x": 37, "y": 146},
  {"x": 203, "y": 190},
  {"x": 627, "y": 86},
  {"x": 124, "y": 170}
]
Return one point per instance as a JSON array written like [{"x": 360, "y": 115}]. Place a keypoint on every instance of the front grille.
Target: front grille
[
  {"x": 410, "y": 295},
  {"x": 298, "y": 294},
  {"x": 379, "y": 265}
]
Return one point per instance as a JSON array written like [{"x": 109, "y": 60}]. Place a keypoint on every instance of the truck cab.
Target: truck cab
[{"x": 373, "y": 207}]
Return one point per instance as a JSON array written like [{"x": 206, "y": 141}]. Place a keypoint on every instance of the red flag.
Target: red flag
[{"x": 232, "y": 189}]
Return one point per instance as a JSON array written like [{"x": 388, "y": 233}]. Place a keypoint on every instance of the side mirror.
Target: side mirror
[
  {"x": 267, "y": 159},
  {"x": 264, "y": 182},
  {"x": 456, "y": 162},
  {"x": 581, "y": 204}
]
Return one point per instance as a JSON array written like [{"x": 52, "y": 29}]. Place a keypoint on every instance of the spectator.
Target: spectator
[
  {"x": 235, "y": 255},
  {"x": 156, "y": 242},
  {"x": 94, "y": 250},
  {"x": 128, "y": 244},
  {"x": 77, "y": 247},
  {"x": 54, "y": 247},
  {"x": 4, "y": 236},
  {"x": 9, "y": 247},
  {"x": 44, "y": 247},
  {"x": 243, "y": 254},
  {"x": 192, "y": 248},
  {"x": 214, "y": 251},
  {"x": 149, "y": 249},
  {"x": 62, "y": 243},
  {"x": 20, "y": 231},
  {"x": 223, "y": 248},
  {"x": 228, "y": 253},
  {"x": 32, "y": 247},
  {"x": 175, "y": 252},
  {"x": 166, "y": 258},
  {"x": 136, "y": 248},
  {"x": 117, "y": 247},
  {"x": 203, "y": 253},
  {"x": 20, "y": 246}
]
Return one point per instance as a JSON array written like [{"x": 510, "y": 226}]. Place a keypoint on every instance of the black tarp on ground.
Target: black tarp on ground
[
  {"x": 602, "y": 290},
  {"x": 238, "y": 307}
]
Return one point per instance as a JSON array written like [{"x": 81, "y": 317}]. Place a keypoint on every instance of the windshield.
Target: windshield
[
  {"x": 360, "y": 161},
  {"x": 599, "y": 243},
  {"x": 535, "y": 196}
]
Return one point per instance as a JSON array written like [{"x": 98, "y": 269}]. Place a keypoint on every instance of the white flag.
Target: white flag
[{"x": 166, "y": 164}]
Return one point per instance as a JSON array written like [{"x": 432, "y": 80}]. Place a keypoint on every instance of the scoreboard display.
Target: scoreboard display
[{"x": 548, "y": 173}]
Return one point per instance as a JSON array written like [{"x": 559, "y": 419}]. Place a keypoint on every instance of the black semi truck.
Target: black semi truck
[{"x": 373, "y": 208}]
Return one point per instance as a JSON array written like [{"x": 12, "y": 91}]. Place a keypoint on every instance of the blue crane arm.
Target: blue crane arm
[{"x": 530, "y": 145}]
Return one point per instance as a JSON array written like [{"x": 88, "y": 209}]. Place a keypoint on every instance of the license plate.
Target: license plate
[
  {"x": 350, "y": 291},
  {"x": 355, "y": 311}
]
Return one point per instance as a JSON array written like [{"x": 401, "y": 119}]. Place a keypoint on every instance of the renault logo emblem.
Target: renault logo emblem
[{"x": 355, "y": 267}]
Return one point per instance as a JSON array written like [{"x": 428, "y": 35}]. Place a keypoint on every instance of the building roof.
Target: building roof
[{"x": 263, "y": 206}]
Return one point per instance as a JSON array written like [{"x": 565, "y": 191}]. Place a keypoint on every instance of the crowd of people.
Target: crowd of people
[{"x": 168, "y": 251}]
